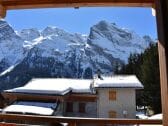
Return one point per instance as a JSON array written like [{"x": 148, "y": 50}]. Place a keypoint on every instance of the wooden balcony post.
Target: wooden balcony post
[
  {"x": 72, "y": 124},
  {"x": 2, "y": 11},
  {"x": 162, "y": 25}
]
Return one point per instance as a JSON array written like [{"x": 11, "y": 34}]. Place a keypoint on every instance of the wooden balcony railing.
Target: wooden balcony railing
[{"x": 19, "y": 119}]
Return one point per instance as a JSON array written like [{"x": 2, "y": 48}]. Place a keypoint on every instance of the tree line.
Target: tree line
[{"x": 146, "y": 67}]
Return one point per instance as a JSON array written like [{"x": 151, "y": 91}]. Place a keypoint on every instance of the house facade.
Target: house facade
[
  {"x": 105, "y": 97},
  {"x": 116, "y": 103}
]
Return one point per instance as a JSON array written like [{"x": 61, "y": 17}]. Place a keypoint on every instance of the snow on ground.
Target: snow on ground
[
  {"x": 157, "y": 116},
  {"x": 141, "y": 115}
]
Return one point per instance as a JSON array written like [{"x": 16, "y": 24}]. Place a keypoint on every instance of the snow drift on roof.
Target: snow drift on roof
[
  {"x": 63, "y": 86},
  {"x": 130, "y": 81},
  {"x": 55, "y": 86},
  {"x": 26, "y": 107}
]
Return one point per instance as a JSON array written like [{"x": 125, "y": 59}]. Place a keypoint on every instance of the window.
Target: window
[
  {"x": 69, "y": 107},
  {"x": 112, "y": 95},
  {"x": 82, "y": 107},
  {"x": 112, "y": 114}
]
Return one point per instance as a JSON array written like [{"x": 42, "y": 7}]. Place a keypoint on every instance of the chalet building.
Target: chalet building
[{"x": 108, "y": 97}]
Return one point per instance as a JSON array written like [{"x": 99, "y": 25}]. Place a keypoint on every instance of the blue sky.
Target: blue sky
[{"x": 80, "y": 20}]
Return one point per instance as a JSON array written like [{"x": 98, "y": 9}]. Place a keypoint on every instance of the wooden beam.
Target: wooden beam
[
  {"x": 26, "y": 4},
  {"x": 72, "y": 124},
  {"x": 162, "y": 25},
  {"x": 11, "y": 124},
  {"x": 11, "y": 96},
  {"x": 81, "y": 97},
  {"x": 31, "y": 97},
  {"x": 76, "y": 120},
  {"x": 2, "y": 11}
]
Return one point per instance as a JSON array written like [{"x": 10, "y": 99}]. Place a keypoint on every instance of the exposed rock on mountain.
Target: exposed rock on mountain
[{"x": 54, "y": 52}]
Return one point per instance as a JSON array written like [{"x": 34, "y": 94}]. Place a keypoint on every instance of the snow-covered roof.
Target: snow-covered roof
[
  {"x": 27, "y": 107},
  {"x": 62, "y": 86},
  {"x": 124, "y": 81},
  {"x": 54, "y": 86}
]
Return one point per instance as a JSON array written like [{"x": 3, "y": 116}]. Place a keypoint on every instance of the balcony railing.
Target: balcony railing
[{"x": 22, "y": 120}]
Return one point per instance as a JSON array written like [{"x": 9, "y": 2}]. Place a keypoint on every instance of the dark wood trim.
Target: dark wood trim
[
  {"x": 11, "y": 124},
  {"x": 69, "y": 106},
  {"x": 11, "y": 97},
  {"x": 2, "y": 11},
  {"x": 76, "y": 120},
  {"x": 162, "y": 23},
  {"x": 30, "y": 97},
  {"x": 162, "y": 26},
  {"x": 81, "y": 97},
  {"x": 20, "y": 4}
]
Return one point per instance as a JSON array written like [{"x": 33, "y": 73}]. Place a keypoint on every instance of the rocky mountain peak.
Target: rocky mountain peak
[
  {"x": 51, "y": 30},
  {"x": 11, "y": 46},
  {"x": 29, "y": 34},
  {"x": 118, "y": 42},
  {"x": 6, "y": 31}
]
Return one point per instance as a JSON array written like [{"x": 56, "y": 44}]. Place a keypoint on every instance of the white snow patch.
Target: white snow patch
[
  {"x": 7, "y": 70},
  {"x": 63, "y": 86},
  {"x": 157, "y": 116},
  {"x": 130, "y": 81},
  {"x": 31, "y": 108},
  {"x": 54, "y": 86}
]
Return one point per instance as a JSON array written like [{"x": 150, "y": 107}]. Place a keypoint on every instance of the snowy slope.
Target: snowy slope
[
  {"x": 11, "y": 46},
  {"x": 117, "y": 41}
]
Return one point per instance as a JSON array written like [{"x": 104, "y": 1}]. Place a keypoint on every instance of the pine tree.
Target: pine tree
[
  {"x": 146, "y": 67},
  {"x": 150, "y": 77}
]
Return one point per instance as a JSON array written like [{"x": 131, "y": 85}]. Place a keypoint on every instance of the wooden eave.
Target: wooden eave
[
  {"x": 162, "y": 25},
  {"x": 17, "y": 4},
  {"x": 28, "y": 4},
  {"x": 13, "y": 96}
]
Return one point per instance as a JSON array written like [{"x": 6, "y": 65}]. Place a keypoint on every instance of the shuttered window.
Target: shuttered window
[
  {"x": 112, "y": 114},
  {"x": 112, "y": 95}
]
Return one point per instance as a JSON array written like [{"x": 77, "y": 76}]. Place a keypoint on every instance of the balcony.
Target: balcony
[{"x": 162, "y": 11}]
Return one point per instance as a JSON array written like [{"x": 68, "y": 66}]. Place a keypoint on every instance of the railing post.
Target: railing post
[
  {"x": 54, "y": 124},
  {"x": 2, "y": 11},
  {"x": 162, "y": 24},
  {"x": 72, "y": 124}
]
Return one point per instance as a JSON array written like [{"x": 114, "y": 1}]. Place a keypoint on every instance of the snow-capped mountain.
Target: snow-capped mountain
[
  {"x": 54, "y": 52},
  {"x": 116, "y": 41},
  {"x": 11, "y": 46}
]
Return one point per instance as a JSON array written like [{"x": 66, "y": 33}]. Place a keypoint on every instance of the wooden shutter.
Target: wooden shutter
[
  {"x": 112, "y": 95},
  {"x": 112, "y": 114}
]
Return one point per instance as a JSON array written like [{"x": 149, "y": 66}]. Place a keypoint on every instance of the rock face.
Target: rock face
[
  {"x": 54, "y": 52},
  {"x": 11, "y": 47}
]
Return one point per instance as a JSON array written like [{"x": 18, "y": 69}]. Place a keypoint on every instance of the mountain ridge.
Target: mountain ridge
[{"x": 53, "y": 52}]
